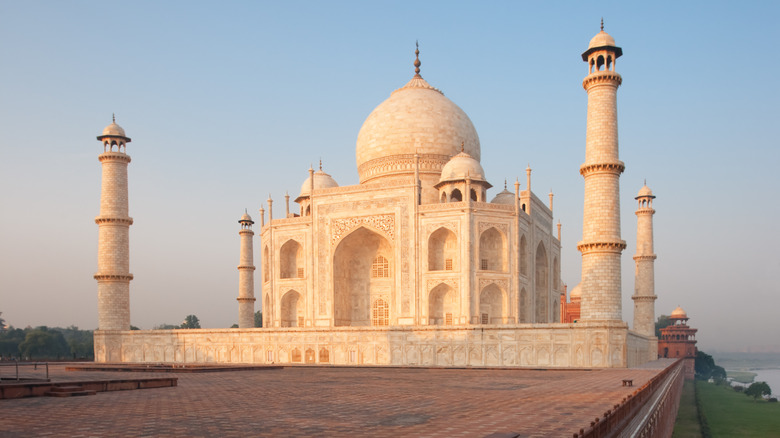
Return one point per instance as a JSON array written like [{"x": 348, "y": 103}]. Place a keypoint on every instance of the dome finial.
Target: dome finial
[
  {"x": 417, "y": 62},
  {"x": 504, "y": 183},
  {"x": 462, "y": 146},
  {"x": 113, "y": 117},
  {"x": 602, "y": 24},
  {"x": 320, "y": 163}
]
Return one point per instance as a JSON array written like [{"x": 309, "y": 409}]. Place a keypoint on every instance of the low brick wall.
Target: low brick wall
[
  {"x": 650, "y": 411},
  {"x": 38, "y": 389},
  {"x": 583, "y": 345}
]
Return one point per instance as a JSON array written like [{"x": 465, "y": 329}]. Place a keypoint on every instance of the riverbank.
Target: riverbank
[{"x": 730, "y": 413}]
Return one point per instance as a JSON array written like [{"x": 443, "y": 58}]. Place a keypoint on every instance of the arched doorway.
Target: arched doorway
[
  {"x": 362, "y": 272},
  {"x": 443, "y": 308},
  {"x": 292, "y": 309},
  {"x": 542, "y": 294},
  {"x": 491, "y": 305}
]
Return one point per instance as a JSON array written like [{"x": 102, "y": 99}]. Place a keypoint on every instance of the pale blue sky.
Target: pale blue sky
[{"x": 227, "y": 102}]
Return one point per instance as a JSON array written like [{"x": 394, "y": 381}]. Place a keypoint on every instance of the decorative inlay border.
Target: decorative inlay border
[
  {"x": 382, "y": 222},
  {"x": 114, "y": 156},
  {"x": 113, "y": 277},
  {"x": 485, "y": 282},
  {"x": 602, "y": 77},
  {"x": 504, "y": 228},
  {"x": 114, "y": 220},
  {"x": 616, "y": 168},
  {"x": 645, "y": 257},
  {"x": 452, "y": 226},
  {"x": 401, "y": 163},
  {"x": 587, "y": 247},
  {"x": 433, "y": 282}
]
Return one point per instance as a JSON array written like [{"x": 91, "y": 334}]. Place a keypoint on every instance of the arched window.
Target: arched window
[
  {"x": 443, "y": 197},
  {"x": 291, "y": 260},
  {"x": 542, "y": 288},
  {"x": 523, "y": 255},
  {"x": 442, "y": 250},
  {"x": 380, "y": 268},
  {"x": 492, "y": 250},
  {"x": 456, "y": 196},
  {"x": 380, "y": 313},
  {"x": 473, "y": 195},
  {"x": 266, "y": 271}
]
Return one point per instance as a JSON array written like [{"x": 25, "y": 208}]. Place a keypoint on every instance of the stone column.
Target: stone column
[
  {"x": 113, "y": 275},
  {"x": 601, "y": 245},
  {"x": 644, "y": 279},
  {"x": 246, "y": 275}
]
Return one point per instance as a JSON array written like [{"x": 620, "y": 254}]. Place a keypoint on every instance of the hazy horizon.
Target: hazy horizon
[{"x": 229, "y": 103}]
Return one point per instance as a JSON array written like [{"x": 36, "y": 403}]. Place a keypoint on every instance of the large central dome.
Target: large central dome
[{"x": 415, "y": 119}]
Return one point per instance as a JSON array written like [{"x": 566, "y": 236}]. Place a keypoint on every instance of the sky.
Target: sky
[{"x": 230, "y": 102}]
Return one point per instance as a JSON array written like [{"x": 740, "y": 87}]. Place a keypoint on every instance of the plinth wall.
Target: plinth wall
[{"x": 602, "y": 345}]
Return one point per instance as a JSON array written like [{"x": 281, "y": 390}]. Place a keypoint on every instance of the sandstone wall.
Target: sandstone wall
[{"x": 523, "y": 345}]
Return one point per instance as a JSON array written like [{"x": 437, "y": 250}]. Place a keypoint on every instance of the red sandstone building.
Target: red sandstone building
[
  {"x": 679, "y": 340},
  {"x": 570, "y": 310}
]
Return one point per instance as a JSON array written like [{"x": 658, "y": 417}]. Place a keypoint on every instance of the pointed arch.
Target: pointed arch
[
  {"x": 523, "y": 255},
  {"x": 291, "y": 260},
  {"x": 556, "y": 271},
  {"x": 492, "y": 250},
  {"x": 266, "y": 311},
  {"x": 492, "y": 305},
  {"x": 292, "y": 309},
  {"x": 443, "y": 250},
  {"x": 354, "y": 287},
  {"x": 456, "y": 196},
  {"x": 525, "y": 306},
  {"x": 542, "y": 287},
  {"x": 443, "y": 306},
  {"x": 266, "y": 258}
]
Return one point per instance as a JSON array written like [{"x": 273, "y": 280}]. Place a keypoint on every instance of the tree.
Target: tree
[
  {"x": 190, "y": 322},
  {"x": 663, "y": 322},
  {"x": 2, "y": 323},
  {"x": 706, "y": 369},
  {"x": 42, "y": 343},
  {"x": 758, "y": 389},
  {"x": 165, "y": 327},
  {"x": 259, "y": 318},
  {"x": 10, "y": 340},
  {"x": 234, "y": 326}
]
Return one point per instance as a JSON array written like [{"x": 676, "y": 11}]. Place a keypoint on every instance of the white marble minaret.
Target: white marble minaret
[
  {"x": 644, "y": 279},
  {"x": 246, "y": 275},
  {"x": 601, "y": 245},
  {"x": 113, "y": 274}
]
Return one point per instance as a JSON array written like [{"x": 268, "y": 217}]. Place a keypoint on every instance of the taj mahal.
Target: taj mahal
[{"x": 416, "y": 264}]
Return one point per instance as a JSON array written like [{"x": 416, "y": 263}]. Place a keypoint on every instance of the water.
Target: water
[{"x": 771, "y": 377}]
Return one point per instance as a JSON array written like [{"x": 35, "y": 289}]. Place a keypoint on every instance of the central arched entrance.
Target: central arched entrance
[{"x": 362, "y": 273}]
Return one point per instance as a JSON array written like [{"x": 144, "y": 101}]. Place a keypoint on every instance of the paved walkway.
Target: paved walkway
[{"x": 314, "y": 401}]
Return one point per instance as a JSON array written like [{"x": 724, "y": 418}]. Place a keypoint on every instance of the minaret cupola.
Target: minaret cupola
[
  {"x": 114, "y": 135},
  {"x": 602, "y": 52}
]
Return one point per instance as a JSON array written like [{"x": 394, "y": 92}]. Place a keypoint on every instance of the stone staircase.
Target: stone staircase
[{"x": 68, "y": 391}]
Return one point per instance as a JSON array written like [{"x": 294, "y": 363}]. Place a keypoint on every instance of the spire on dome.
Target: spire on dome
[
  {"x": 417, "y": 62},
  {"x": 602, "y": 24},
  {"x": 113, "y": 117},
  {"x": 320, "y": 163}
]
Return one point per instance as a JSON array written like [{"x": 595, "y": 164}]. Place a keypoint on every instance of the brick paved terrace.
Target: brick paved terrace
[{"x": 332, "y": 401}]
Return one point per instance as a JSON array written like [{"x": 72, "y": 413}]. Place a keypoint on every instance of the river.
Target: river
[{"x": 771, "y": 377}]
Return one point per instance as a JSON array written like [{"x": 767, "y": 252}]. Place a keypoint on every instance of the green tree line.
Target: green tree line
[{"x": 46, "y": 343}]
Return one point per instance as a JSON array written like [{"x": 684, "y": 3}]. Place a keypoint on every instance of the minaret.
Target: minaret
[
  {"x": 644, "y": 279},
  {"x": 246, "y": 275},
  {"x": 601, "y": 244},
  {"x": 113, "y": 275}
]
